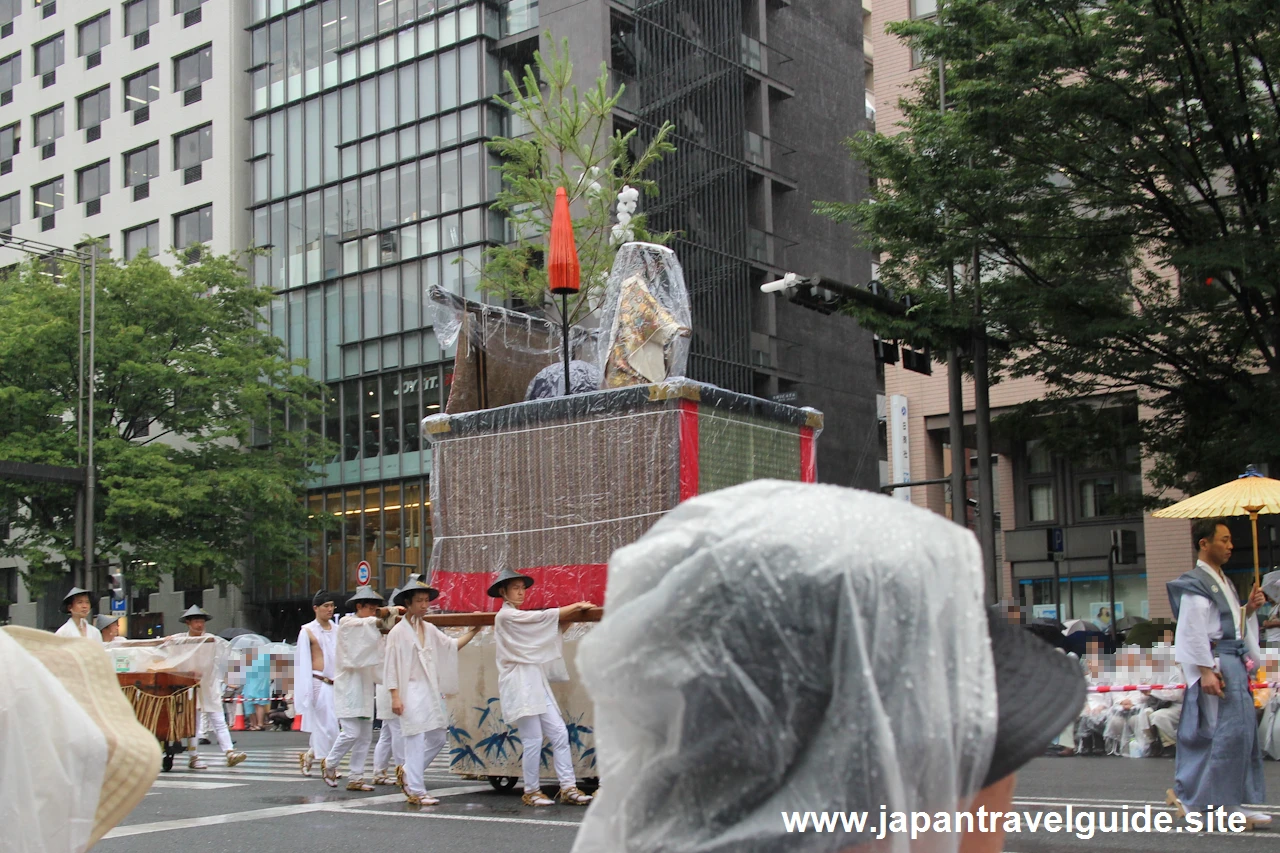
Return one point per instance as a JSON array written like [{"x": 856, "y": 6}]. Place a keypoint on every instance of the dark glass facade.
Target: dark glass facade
[{"x": 370, "y": 183}]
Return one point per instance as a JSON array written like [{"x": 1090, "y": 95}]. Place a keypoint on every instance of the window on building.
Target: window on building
[
  {"x": 49, "y": 55},
  {"x": 139, "y": 15},
  {"x": 143, "y": 238},
  {"x": 924, "y": 8},
  {"x": 193, "y": 226},
  {"x": 48, "y": 125},
  {"x": 192, "y": 147},
  {"x": 141, "y": 165},
  {"x": 10, "y": 138},
  {"x": 46, "y": 198},
  {"x": 1039, "y": 482},
  {"x": 192, "y": 69},
  {"x": 9, "y": 9},
  {"x": 93, "y": 35},
  {"x": 93, "y": 182},
  {"x": 1097, "y": 496},
  {"x": 94, "y": 108},
  {"x": 182, "y": 6},
  {"x": 10, "y": 72},
  {"x": 142, "y": 88},
  {"x": 10, "y": 212}
]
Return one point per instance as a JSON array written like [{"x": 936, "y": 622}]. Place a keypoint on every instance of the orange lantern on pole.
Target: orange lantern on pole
[{"x": 563, "y": 269}]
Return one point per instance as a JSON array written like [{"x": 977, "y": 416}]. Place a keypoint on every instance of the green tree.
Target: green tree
[
  {"x": 196, "y": 470},
  {"x": 1115, "y": 165},
  {"x": 566, "y": 140}
]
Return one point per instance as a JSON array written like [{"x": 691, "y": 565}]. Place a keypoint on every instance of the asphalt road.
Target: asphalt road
[{"x": 265, "y": 806}]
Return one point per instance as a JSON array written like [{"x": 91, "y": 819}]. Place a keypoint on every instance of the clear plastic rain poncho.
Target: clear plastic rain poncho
[
  {"x": 779, "y": 647},
  {"x": 645, "y": 318}
]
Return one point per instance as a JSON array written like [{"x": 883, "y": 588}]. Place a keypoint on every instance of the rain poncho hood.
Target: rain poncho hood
[{"x": 779, "y": 647}]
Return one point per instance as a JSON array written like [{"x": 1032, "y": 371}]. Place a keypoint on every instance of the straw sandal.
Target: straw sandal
[
  {"x": 359, "y": 785},
  {"x": 382, "y": 777},
  {"x": 536, "y": 799},
  {"x": 196, "y": 763},
  {"x": 571, "y": 796},
  {"x": 1171, "y": 799},
  {"x": 329, "y": 774},
  {"x": 305, "y": 760},
  {"x": 416, "y": 800},
  {"x": 234, "y": 758}
]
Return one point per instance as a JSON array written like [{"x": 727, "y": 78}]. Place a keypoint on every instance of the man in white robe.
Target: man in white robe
[
  {"x": 358, "y": 661},
  {"x": 528, "y": 643},
  {"x": 108, "y": 628},
  {"x": 209, "y": 657},
  {"x": 421, "y": 667},
  {"x": 78, "y": 603},
  {"x": 388, "y": 755},
  {"x": 313, "y": 672}
]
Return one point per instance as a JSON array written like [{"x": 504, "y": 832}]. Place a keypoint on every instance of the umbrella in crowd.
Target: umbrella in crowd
[
  {"x": 232, "y": 633},
  {"x": 1249, "y": 494},
  {"x": 1130, "y": 622},
  {"x": 1076, "y": 626}
]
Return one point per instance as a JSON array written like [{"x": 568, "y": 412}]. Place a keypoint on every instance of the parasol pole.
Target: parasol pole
[
  {"x": 563, "y": 269},
  {"x": 1253, "y": 520},
  {"x": 564, "y": 338}
]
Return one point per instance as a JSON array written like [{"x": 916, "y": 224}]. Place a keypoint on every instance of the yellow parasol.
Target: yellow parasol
[{"x": 1250, "y": 493}]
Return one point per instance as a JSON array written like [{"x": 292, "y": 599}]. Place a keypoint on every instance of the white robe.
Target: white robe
[
  {"x": 1199, "y": 623},
  {"x": 303, "y": 684},
  {"x": 421, "y": 672},
  {"x": 68, "y": 629},
  {"x": 206, "y": 656},
  {"x": 358, "y": 662},
  {"x": 528, "y": 643}
]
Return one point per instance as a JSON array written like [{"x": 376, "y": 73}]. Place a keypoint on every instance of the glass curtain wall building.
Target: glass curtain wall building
[{"x": 370, "y": 184}]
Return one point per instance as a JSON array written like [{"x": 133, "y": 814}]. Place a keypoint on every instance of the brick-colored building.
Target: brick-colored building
[{"x": 1036, "y": 493}]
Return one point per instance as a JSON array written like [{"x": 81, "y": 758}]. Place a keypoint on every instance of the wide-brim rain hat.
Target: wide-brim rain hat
[
  {"x": 366, "y": 593},
  {"x": 406, "y": 592},
  {"x": 103, "y": 621},
  {"x": 194, "y": 612},
  {"x": 75, "y": 590},
  {"x": 503, "y": 578}
]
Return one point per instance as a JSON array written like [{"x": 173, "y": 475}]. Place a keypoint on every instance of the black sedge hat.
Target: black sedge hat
[
  {"x": 194, "y": 612},
  {"x": 406, "y": 592},
  {"x": 365, "y": 593},
  {"x": 495, "y": 588},
  {"x": 1039, "y": 691},
  {"x": 75, "y": 590},
  {"x": 324, "y": 597}
]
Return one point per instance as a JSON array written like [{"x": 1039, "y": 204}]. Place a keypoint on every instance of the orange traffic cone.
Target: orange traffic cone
[
  {"x": 297, "y": 722},
  {"x": 237, "y": 725}
]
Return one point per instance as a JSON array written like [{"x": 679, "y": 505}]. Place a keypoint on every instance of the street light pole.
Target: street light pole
[{"x": 90, "y": 480}]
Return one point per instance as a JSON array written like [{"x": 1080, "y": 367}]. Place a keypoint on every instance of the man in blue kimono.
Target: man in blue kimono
[{"x": 1218, "y": 761}]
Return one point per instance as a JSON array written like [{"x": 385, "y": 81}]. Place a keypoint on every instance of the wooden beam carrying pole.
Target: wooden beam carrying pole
[{"x": 470, "y": 620}]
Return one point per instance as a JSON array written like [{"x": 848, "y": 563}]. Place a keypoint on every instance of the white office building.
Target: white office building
[{"x": 124, "y": 122}]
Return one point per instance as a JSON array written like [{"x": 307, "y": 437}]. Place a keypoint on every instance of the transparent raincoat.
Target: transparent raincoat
[{"x": 780, "y": 647}]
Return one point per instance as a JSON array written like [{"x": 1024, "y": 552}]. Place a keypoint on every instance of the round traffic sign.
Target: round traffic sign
[{"x": 362, "y": 573}]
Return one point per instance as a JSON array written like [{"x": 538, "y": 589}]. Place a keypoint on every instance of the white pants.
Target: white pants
[
  {"x": 390, "y": 747},
  {"x": 212, "y": 722},
  {"x": 532, "y": 729},
  {"x": 355, "y": 737},
  {"x": 320, "y": 720},
  {"x": 419, "y": 751},
  {"x": 1166, "y": 722}
]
